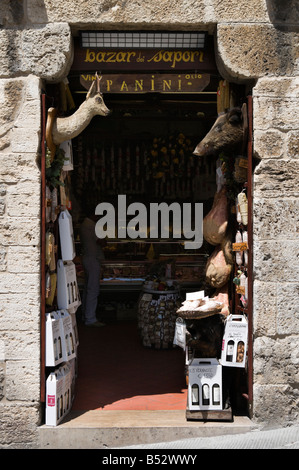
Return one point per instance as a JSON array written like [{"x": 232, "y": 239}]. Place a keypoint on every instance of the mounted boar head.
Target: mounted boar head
[{"x": 228, "y": 132}]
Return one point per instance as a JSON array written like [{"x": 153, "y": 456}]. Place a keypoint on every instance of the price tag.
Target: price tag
[
  {"x": 240, "y": 290},
  {"x": 242, "y": 246}
]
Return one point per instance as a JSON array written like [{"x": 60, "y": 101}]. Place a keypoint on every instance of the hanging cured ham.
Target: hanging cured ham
[
  {"x": 215, "y": 222},
  {"x": 218, "y": 270},
  {"x": 221, "y": 295}
]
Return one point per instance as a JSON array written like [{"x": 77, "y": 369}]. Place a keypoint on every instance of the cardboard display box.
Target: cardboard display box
[
  {"x": 66, "y": 234},
  {"x": 69, "y": 339},
  {"x": 67, "y": 288},
  {"x": 54, "y": 340},
  {"x": 58, "y": 395},
  {"x": 205, "y": 384},
  {"x": 234, "y": 344},
  {"x": 61, "y": 338},
  {"x": 75, "y": 328}
]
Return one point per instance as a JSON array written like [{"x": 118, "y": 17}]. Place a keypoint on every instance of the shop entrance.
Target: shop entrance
[{"x": 144, "y": 151}]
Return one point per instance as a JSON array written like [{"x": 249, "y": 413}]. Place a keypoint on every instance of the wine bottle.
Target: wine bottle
[
  {"x": 195, "y": 394},
  {"x": 205, "y": 394},
  {"x": 56, "y": 349},
  {"x": 230, "y": 351},
  {"x": 60, "y": 347},
  {"x": 216, "y": 394}
]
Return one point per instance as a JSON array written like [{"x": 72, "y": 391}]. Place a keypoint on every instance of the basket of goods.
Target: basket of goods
[{"x": 195, "y": 309}]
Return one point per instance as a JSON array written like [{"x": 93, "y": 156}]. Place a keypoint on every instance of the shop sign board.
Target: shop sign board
[
  {"x": 120, "y": 60},
  {"x": 149, "y": 83}
]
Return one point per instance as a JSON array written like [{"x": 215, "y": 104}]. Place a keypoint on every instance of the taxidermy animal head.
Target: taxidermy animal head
[
  {"x": 60, "y": 129},
  {"x": 228, "y": 132}
]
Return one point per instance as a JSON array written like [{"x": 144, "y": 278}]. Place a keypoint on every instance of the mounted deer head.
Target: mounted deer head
[{"x": 60, "y": 129}]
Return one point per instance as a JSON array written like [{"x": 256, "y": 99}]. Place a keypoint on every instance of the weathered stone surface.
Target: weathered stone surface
[
  {"x": 21, "y": 167},
  {"x": 22, "y": 347},
  {"x": 2, "y": 375},
  {"x": 276, "y": 87},
  {"x": 20, "y": 231},
  {"x": 23, "y": 380},
  {"x": 275, "y": 303},
  {"x": 276, "y": 360},
  {"x": 275, "y": 219},
  {"x": 276, "y": 179},
  {"x": 23, "y": 259},
  {"x": 11, "y": 94},
  {"x": 2, "y": 351},
  {"x": 293, "y": 144},
  {"x": 3, "y": 263},
  {"x": 276, "y": 261},
  {"x": 18, "y": 425},
  {"x": 43, "y": 50},
  {"x": 255, "y": 11},
  {"x": 2, "y": 205},
  {"x": 136, "y": 12},
  {"x": 265, "y": 310},
  {"x": 20, "y": 110},
  {"x": 276, "y": 405},
  {"x": 283, "y": 13},
  {"x": 269, "y": 144},
  {"x": 93, "y": 11},
  {"x": 249, "y": 51},
  {"x": 19, "y": 311},
  {"x": 29, "y": 116},
  {"x": 288, "y": 308},
  {"x": 23, "y": 199},
  {"x": 22, "y": 141},
  {"x": 279, "y": 113},
  {"x": 14, "y": 283},
  {"x": 2, "y": 199}
]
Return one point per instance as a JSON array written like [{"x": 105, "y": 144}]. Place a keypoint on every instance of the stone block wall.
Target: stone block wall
[
  {"x": 20, "y": 118},
  {"x": 276, "y": 250},
  {"x": 29, "y": 53},
  {"x": 256, "y": 42}
]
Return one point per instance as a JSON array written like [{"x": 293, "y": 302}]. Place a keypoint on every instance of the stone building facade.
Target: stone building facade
[{"x": 257, "y": 43}]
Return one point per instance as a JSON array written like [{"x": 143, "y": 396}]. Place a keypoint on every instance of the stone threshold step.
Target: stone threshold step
[{"x": 101, "y": 429}]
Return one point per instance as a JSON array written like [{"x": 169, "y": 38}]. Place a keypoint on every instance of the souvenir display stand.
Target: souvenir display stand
[{"x": 157, "y": 316}]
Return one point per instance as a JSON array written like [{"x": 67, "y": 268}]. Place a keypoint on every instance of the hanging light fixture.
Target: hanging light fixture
[{"x": 143, "y": 39}]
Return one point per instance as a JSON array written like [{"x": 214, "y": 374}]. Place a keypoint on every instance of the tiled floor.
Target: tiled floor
[{"x": 115, "y": 372}]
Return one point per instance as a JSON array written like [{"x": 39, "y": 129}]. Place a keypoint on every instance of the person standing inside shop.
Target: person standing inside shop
[{"x": 92, "y": 255}]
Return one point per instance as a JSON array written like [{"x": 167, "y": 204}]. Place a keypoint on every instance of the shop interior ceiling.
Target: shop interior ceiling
[{"x": 143, "y": 116}]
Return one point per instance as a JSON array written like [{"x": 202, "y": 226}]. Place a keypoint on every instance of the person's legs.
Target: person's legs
[
  {"x": 83, "y": 304},
  {"x": 91, "y": 289}
]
